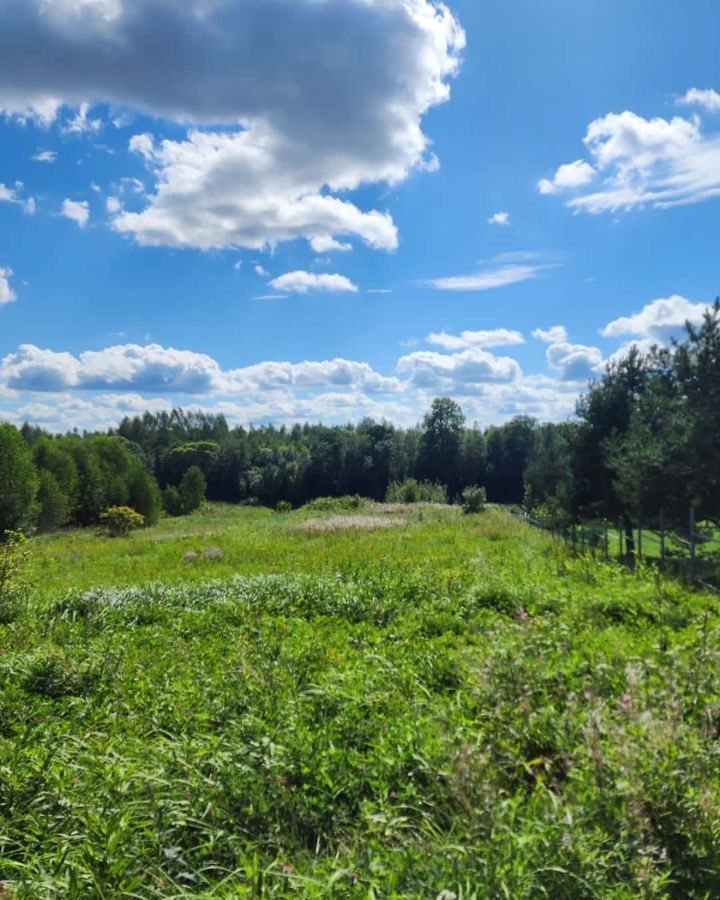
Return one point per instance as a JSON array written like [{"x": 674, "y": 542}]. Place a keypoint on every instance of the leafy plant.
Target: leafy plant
[
  {"x": 412, "y": 491},
  {"x": 474, "y": 499},
  {"x": 121, "y": 520},
  {"x": 13, "y": 565}
]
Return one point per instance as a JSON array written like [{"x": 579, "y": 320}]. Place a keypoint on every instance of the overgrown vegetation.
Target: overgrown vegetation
[{"x": 454, "y": 707}]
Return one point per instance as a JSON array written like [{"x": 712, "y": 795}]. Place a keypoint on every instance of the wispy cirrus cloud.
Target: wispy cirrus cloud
[
  {"x": 496, "y": 337},
  {"x": 499, "y": 272},
  {"x": 637, "y": 162}
]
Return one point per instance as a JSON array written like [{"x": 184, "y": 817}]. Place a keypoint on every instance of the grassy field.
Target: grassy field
[{"x": 448, "y": 708}]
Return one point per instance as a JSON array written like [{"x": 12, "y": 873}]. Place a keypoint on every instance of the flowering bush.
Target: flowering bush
[{"x": 121, "y": 520}]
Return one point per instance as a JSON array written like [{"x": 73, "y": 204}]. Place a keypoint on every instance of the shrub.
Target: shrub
[
  {"x": 121, "y": 520},
  {"x": 13, "y": 558},
  {"x": 474, "y": 499},
  {"x": 412, "y": 491},
  {"x": 283, "y": 506},
  {"x": 335, "y": 504},
  {"x": 192, "y": 490},
  {"x": 172, "y": 502},
  {"x": 144, "y": 496}
]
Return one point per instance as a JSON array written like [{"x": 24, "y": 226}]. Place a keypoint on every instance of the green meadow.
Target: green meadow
[{"x": 381, "y": 702}]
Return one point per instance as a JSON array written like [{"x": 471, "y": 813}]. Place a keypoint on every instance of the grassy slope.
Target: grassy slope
[{"x": 462, "y": 708}]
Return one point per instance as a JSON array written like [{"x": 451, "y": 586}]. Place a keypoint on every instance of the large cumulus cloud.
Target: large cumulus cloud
[{"x": 314, "y": 97}]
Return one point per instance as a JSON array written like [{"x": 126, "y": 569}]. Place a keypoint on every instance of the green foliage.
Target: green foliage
[
  {"x": 474, "y": 499},
  {"x": 334, "y": 504},
  {"x": 121, "y": 520},
  {"x": 172, "y": 501},
  {"x": 192, "y": 490},
  {"x": 412, "y": 491},
  {"x": 144, "y": 496},
  {"x": 53, "y": 503},
  {"x": 440, "y": 444},
  {"x": 474, "y": 714},
  {"x": 18, "y": 481},
  {"x": 13, "y": 567},
  {"x": 283, "y": 506}
]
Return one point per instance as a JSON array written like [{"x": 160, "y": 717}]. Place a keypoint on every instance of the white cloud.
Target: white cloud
[
  {"x": 113, "y": 205},
  {"x": 658, "y": 321},
  {"x": 571, "y": 175},
  {"x": 499, "y": 218},
  {"x": 327, "y": 244},
  {"x": 77, "y": 211},
  {"x": 708, "y": 99},
  {"x": 555, "y": 335},
  {"x": 575, "y": 362},
  {"x": 289, "y": 104},
  {"x": 302, "y": 282},
  {"x": 132, "y": 185},
  {"x": 124, "y": 367},
  {"x": 45, "y": 156},
  {"x": 261, "y": 271},
  {"x": 7, "y": 294},
  {"x": 156, "y": 369},
  {"x": 457, "y": 371},
  {"x": 498, "y": 337},
  {"x": 38, "y": 108},
  {"x": 13, "y": 195},
  {"x": 80, "y": 124},
  {"x": 495, "y": 275},
  {"x": 640, "y": 162}
]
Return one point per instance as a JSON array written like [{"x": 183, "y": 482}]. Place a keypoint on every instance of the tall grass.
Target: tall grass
[{"x": 474, "y": 715}]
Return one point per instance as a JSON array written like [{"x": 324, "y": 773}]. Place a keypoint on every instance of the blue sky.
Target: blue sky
[{"x": 287, "y": 210}]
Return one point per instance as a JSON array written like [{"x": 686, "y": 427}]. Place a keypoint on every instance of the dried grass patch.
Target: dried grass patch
[{"x": 351, "y": 523}]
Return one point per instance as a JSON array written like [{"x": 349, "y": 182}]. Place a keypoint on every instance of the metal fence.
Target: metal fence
[{"x": 692, "y": 554}]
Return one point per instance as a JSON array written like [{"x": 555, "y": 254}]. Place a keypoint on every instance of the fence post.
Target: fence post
[{"x": 692, "y": 543}]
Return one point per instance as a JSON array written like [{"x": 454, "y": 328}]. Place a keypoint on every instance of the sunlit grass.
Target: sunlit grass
[{"x": 453, "y": 706}]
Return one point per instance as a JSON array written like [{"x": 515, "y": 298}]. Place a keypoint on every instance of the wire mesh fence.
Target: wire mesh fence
[{"x": 691, "y": 553}]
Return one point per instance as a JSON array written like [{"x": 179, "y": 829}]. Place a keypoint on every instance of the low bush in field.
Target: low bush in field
[
  {"x": 526, "y": 726},
  {"x": 121, "y": 520},
  {"x": 335, "y": 504},
  {"x": 474, "y": 499},
  {"x": 412, "y": 491}
]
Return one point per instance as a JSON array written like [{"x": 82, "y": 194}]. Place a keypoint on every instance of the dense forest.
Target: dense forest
[{"x": 645, "y": 442}]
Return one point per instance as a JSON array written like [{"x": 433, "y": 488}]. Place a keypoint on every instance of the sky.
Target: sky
[{"x": 321, "y": 210}]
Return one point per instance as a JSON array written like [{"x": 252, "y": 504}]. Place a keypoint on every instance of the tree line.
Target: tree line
[{"x": 645, "y": 443}]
